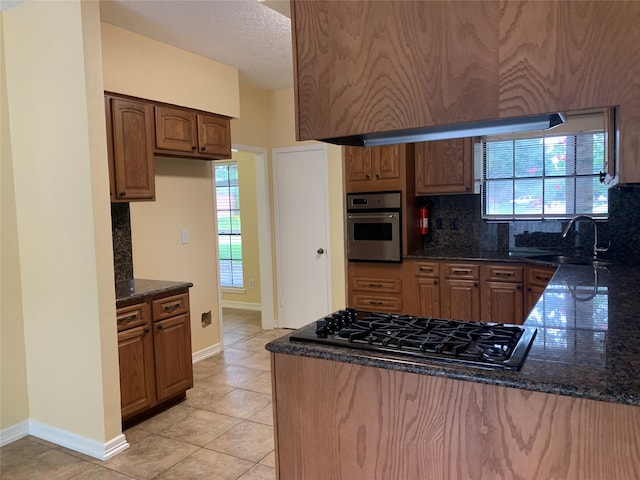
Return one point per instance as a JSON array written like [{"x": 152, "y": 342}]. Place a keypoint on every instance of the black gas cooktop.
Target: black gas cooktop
[{"x": 485, "y": 345}]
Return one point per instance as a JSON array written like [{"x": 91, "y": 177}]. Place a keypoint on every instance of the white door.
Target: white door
[{"x": 302, "y": 234}]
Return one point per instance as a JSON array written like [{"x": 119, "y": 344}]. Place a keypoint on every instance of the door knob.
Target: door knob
[{"x": 320, "y": 251}]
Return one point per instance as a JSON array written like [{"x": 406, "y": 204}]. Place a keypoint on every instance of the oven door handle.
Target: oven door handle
[{"x": 379, "y": 216}]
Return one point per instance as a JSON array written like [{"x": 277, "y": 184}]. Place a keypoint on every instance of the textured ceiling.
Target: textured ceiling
[{"x": 242, "y": 33}]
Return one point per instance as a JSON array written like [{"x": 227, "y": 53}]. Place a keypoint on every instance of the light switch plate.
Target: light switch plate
[{"x": 185, "y": 236}]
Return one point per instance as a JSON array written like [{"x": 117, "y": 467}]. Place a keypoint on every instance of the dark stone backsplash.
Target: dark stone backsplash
[
  {"x": 470, "y": 232},
  {"x": 122, "y": 249}
]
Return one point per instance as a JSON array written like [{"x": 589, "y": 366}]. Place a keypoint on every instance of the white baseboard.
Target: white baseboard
[
  {"x": 93, "y": 448},
  {"x": 14, "y": 432},
  {"x": 242, "y": 305},
  {"x": 206, "y": 353}
]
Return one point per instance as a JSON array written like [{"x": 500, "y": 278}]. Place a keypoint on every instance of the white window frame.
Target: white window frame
[
  {"x": 235, "y": 286},
  {"x": 576, "y": 126}
]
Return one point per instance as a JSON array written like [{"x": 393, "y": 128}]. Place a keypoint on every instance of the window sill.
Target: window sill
[{"x": 234, "y": 290}]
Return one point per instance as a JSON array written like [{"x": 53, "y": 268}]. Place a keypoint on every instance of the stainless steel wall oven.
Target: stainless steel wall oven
[{"x": 373, "y": 227}]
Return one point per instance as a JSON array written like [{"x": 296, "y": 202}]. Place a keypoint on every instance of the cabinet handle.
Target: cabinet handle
[
  {"x": 194, "y": 148},
  {"x": 202, "y": 149},
  {"x": 377, "y": 285},
  {"x": 146, "y": 329},
  {"x": 160, "y": 327},
  {"x": 428, "y": 270},
  {"x": 544, "y": 279},
  {"x": 127, "y": 319},
  {"x": 367, "y": 177},
  {"x": 461, "y": 271},
  {"x": 529, "y": 289},
  {"x": 503, "y": 274},
  {"x": 372, "y": 302},
  {"x": 170, "y": 308},
  {"x": 435, "y": 282},
  {"x": 377, "y": 175},
  {"x": 123, "y": 194},
  {"x": 475, "y": 284},
  {"x": 518, "y": 287}
]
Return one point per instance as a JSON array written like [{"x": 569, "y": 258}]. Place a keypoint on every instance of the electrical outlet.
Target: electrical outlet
[
  {"x": 439, "y": 224},
  {"x": 453, "y": 223},
  {"x": 206, "y": 319},
  {"x": 251, "y": 283}
]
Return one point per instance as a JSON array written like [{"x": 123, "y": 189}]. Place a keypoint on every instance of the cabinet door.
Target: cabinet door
[
  {"x": 502, "y": 302},
  {"x": 386, "y": 162},
  {"x": 132, "y": 134},
  {"x": 357, "y": 163},
  {"x": 444, "y": 166},
  {"x": 460, "y": 299},
  {"x": 428, "y": 297},
  {"x": 214, "y": 136},
  {"x": 137, "y": 381},
  {"x": 172, "y": 342},
  {"x": 176, "y": 129},
  {"x": 534, "y": 292}
]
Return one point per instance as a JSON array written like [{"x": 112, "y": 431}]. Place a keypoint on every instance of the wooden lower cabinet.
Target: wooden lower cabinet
[
  {"x": 460, "y": 299},
  {"x": 499, "y": 292},
  {"x": 427, "y": 281},
  {"x": 376, "y": 287},
  {"x": 460, "y": 291},
  {"x": 172, "y": 342},
  {"x": 335, "y": 420},
  {"x": 536, "y": 280},
  {"x": 135, "y": 353},
  {"x": 502, "y": 294},
  {"x": 154, "y": 350}
]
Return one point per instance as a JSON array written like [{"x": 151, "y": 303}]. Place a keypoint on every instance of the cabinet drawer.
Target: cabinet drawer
[
  {"x": 169, "y": 306},
  {"x": 385, "y": 285},
  {"x": 502, "y": 273},
  {"x": 462, "y": 270},
  {"x": 131, "y": 316},
  {"x": 376, "y": 303},
  {"x": 539, "y": 276},
  {"x": 427, "y": 269}
]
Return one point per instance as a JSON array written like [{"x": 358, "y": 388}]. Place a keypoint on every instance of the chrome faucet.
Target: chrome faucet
[{"x": 596, "y": 249}]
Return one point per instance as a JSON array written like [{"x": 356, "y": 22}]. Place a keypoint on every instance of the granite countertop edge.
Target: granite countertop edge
[
  {"x": 600, "y": 359},
  {"x": 138, "y": 289},
  {"x": 502, "y": 378}
]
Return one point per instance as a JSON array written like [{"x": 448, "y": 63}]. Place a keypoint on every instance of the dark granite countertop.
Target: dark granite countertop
[
  {"x": 136, "y": 289},
  {"x": 587, "y": 344},
  {"x": 522, "y": 255}
]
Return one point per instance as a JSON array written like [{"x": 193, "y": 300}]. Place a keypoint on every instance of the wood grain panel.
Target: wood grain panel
[
  {"x": 311, "y": 62},
  {"x": 567, "y": 55},
  {"x": 342, "y": 421},
  {"x": 380, "y": 66}
]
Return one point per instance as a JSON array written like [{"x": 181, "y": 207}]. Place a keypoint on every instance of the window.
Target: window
[
  {"x": 228, "y": 218},
  {"x": 552, "y": 175}
]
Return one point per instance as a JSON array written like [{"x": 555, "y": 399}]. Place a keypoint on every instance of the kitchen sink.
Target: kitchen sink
[{"x": 567, "y": 259}]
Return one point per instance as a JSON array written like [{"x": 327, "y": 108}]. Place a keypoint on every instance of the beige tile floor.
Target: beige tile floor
[{"x": 223, "y": 430}]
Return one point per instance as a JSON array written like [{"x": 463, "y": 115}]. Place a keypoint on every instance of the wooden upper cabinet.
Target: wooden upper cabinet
[
  {"x": 195, "y": 134},
  {"x": 374, "y": 168},
  {"x": 129, "y": 136},
  {"x": 176, "y": 129},
  {"x": 214, "y": 135},
  {"x": 444, "y": 166},
  {"x": 363, "y": 67}
]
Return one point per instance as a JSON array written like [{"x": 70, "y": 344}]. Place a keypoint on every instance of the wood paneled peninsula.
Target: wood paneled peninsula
[{"x": 571, "y": 412}]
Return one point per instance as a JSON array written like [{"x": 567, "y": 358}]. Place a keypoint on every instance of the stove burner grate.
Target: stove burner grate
[{"x": 476, "y": 343}]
